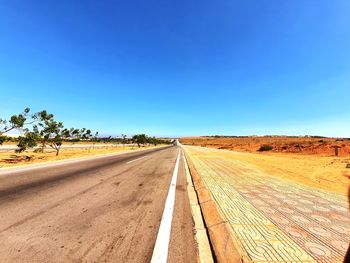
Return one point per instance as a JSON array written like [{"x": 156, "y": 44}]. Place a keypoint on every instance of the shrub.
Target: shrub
[
  {"x": 264, "y": 148},
  {"x": 2, "y": 139}
]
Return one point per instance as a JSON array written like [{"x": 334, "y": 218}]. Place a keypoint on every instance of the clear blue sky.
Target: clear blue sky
[{"x": 180, "y": 67}]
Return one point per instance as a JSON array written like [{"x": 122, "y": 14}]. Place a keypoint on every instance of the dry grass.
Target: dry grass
[{"x": 8, "y": 159}]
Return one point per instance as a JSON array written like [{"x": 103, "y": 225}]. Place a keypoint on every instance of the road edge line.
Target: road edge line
[
  {"x": 161, "y": 247},
  {"x": 201, "y": 236},
  {"x": 137, "y": 159},
  {"x": 225, "y": 246}
]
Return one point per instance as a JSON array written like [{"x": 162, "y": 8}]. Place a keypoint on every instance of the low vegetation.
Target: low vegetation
[
  {"x": 41, "y": 130},
  {"x": 142, "y": 139},
  {"x": 265, "y": 148}
]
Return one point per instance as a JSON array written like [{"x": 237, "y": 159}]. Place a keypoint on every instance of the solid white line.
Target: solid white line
[
  {"x": 137, "y": 159},
  {"x": 160, "y": 251}
]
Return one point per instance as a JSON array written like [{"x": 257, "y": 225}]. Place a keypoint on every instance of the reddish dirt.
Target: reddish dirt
[{"x": 281, "y": 144}]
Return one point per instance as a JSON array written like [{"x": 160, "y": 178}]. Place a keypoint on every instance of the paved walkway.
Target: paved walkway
[{"x": 275, "y": 220}]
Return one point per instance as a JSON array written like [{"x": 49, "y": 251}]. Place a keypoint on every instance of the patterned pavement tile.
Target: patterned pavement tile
[{"x": 276, "y": 220}]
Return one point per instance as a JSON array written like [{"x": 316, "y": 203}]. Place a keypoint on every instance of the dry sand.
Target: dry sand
[
  {"x": 280, "y": 144},
  {"x": 316, "y": 170}
]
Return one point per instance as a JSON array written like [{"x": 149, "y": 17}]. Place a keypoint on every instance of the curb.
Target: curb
[
  {"x": 222, "y": 237},
  {"x": 201, "y": 237}
]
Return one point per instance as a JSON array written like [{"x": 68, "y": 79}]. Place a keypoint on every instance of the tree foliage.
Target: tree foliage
[
  {"x": 29, "y": 140},
  {"x": 2, "y": 139},
  {"x": 142, "y": 139},
  {"x": 139, "y": 139},
  {"x": 16, "y": 122},
  {"x": 44, "y": 129}
]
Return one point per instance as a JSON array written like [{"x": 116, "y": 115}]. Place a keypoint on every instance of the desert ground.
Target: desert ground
[
  {"x": 282, "y": 144},
  {"x": 279, "y": 207},
  {"x": 304, "y": 160}
]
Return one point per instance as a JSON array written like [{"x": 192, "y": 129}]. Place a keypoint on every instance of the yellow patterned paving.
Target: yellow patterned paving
[{"x": 275, "y": 220}]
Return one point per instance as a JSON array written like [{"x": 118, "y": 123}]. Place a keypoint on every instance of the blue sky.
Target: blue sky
[{"x": 180, "y": 68}]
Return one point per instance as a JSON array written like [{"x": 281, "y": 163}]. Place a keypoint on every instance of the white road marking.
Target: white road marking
[
  {"x": 137, "y": 159},
  {"x": 160, "y": 251}
]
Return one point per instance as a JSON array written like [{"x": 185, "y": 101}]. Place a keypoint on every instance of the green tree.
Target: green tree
[
  {"x": 29, "y": 140},
  {"x": 44, "y": 129},
  {"x": 19, "y": 122},
  {"x": 53, "y": 133},
  {"x": 139, "y": 139},
  {"x": 153, "y": 141},
  {"x": 16, "y": 122},
  {"x": 86, "y": 134},
  {"x": 2, "y": 139},
  {"x": 74, "y": 134},
  {"x": 45, "y": 120}
]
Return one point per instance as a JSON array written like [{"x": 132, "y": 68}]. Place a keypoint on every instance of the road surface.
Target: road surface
[{"x": 98, "y": 210}]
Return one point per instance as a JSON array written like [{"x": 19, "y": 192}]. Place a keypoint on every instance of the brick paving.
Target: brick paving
[{"x": 275, "y": 220}]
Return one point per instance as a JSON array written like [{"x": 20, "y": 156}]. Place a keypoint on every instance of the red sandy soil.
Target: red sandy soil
[
  {"x": 310, "y": 161},
  {"x": 280, "y": 144}
]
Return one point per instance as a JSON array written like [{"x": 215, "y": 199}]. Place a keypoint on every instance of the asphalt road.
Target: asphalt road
[{"x": 98, "y": 210}]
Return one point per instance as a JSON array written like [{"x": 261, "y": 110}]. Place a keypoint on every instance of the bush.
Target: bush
[
  {"x": 2, "y": 139},
  {"x": 264, "y": 148}
]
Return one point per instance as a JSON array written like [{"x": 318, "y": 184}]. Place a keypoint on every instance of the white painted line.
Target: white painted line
[
  {"x": 160, "y": 251},
  {"x": 137, "y": 159}
]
